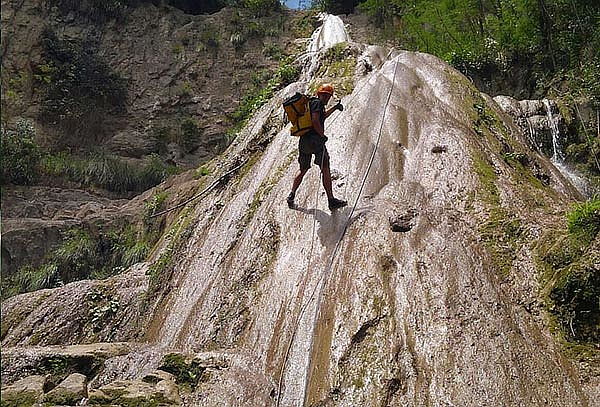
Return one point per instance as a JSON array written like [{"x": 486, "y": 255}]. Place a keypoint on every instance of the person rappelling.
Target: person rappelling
[{"x": 308, "y": 118}]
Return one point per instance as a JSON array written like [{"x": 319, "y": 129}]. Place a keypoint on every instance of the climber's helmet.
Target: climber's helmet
[{"x": 325, "y": 89}]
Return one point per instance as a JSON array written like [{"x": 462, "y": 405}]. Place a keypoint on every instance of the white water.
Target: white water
[
  {"x": 330, "y": 33},
  {"x": 558, "y": 158}
]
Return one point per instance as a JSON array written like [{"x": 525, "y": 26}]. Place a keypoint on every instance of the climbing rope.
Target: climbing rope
[
  {"x": 206, "y": 190},
  {"x": 330, "y": 263},
  {"x": 210, "y": 187}
]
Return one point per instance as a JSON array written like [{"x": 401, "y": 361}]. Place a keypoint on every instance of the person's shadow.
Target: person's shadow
[{"x": 331, "y": 225}]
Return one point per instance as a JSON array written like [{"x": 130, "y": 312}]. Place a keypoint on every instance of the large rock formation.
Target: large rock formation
[{"x": 273, "y": 306}]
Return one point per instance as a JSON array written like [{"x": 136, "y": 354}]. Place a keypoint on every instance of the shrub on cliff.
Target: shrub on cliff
[
  {"x": 19, "y": 154},
  {"x": 81, "y": 91}
]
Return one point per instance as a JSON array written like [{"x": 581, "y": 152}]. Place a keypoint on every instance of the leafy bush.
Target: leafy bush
[
  {"x": 82, "y": 88},
  {"x": 261, "y": 7},
  {"x": 19, "y": 154},
  {"x": 584, "y": 220}
]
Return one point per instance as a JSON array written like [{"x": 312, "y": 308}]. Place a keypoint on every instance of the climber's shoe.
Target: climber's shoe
[
  {"x": 335, "y": 203},
  {"x": 290, "y": 200}
]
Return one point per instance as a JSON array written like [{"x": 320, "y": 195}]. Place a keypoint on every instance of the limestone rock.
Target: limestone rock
[
  {"x": 169, "y": 390},
  {"x": 58, "y": 360},
  {"x": 132, "y": 144},
  {"x": 136, "y": 393},
  {"x": 157, "y": 376},
  {"x": 69, "y": 392},
  {"x": 24, "y": 392},
  {"x": 402, "y": 222}
]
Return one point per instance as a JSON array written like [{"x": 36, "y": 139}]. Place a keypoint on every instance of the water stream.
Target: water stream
[{"x": 558, "y": 157}]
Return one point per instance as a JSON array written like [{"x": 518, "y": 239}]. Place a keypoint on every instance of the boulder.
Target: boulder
[
  {"x": 24, "y": 392},
  {"x": 157, "y": 376},
  {"x": 136, "y": 393},
  {"x": 132, "y": 144},
  {"x": 69, "y": 392},
  {"x": 58, "y": 361}
]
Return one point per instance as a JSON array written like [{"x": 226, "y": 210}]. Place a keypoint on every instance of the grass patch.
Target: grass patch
[
  {"x": 259, "y": 94},
  {"x": 81, "y": 255},
  {"x": 568, "y": 260},
  {"x": 502, "y": 233},
  {"x": 584, "y": 220},
  {"x": 107, "y": 171},
  {"x": 161, "y": 270}
]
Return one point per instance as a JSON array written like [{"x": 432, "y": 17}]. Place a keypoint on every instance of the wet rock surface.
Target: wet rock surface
[
  {"x": 69, "y": 392},
  {"x": 25, "y": 392},
  {"x": 307, "y": 307}
]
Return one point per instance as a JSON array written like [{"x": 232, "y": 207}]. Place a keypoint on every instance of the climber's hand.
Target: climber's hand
[{"x": 339, "y": 106}]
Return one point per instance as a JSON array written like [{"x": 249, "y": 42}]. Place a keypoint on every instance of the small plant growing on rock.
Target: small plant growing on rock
[
  {"x": 186, "y": 373},
  {"x": 103, "y": 308},
  {"x": 584, "y": 220}
]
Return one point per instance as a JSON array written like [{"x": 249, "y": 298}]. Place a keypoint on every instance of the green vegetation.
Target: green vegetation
[
  {"x": 584, "y": 220},
  {"x": 102, "y": 307},
  {"x": 187, "y": 374},
  {"x": 259, "y": 94},
  {"x": 161, "y": 270},
  {"x": 107, "y": 171},
  {"x": 78, "y": 87},
  {"x": 260, "y": 8},
  {"x": 338, "y": 68},
  {"x": 81, "y": 255},
  {"x": 569, "y": 263},
  {"x": 19, "y": 154}
]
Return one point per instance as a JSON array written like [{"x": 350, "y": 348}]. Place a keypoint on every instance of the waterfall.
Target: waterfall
[
  {"x": 557, "y": 155},
  {"x": 558, "y": 158},
  {"x": 328, "y": 34}
]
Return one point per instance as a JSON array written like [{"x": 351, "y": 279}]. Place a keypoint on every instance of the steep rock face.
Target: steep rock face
[
  {"x": 174, "y": 64},
  {"x": 34, "y": 219},
  {"x": 310, "y": 307}
]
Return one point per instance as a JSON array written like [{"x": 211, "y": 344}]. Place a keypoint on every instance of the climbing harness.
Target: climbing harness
[{"x": 325, "y": 275}]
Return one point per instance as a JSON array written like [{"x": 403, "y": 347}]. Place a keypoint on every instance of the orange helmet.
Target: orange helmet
[{"x": 325, "y": 88}]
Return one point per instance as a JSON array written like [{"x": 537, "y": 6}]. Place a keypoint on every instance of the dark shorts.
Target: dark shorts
[{"x": 312, "y": 144}]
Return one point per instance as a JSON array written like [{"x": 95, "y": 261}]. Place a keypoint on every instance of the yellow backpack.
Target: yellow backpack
[{"x": 298, "y": 112}]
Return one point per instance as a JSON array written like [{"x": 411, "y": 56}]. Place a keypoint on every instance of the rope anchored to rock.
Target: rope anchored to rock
[
  {"x": 204, "y": 191},
  {"x": 330, "y": 263}
]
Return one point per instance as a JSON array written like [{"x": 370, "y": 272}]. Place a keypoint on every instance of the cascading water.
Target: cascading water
[
  {"x": 330, "y": 32},
  {"x": 558, "y": 158}
]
